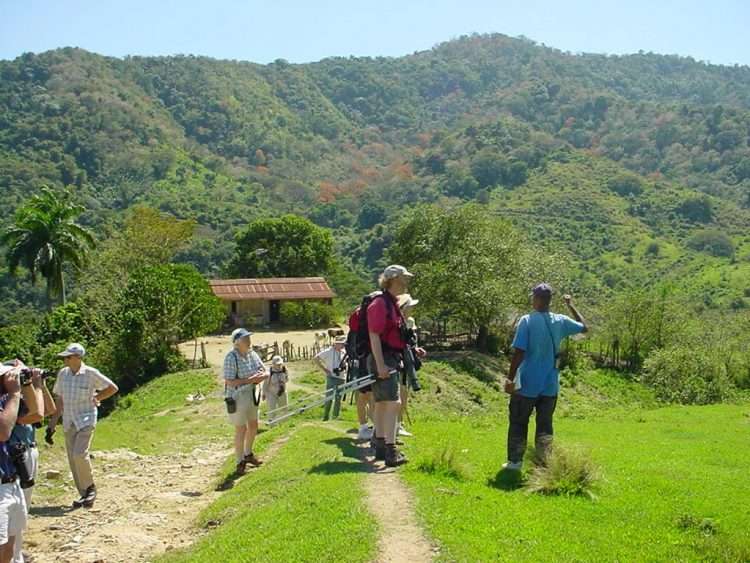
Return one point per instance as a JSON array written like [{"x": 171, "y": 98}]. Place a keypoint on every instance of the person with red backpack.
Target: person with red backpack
[{"x": 382, "y": 339}]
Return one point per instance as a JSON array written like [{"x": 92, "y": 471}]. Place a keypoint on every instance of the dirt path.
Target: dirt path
[
  {"x": 402, "y": 540},
  {"x": 147, "y": 505}
]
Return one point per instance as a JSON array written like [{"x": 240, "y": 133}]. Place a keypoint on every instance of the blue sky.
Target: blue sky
[{"x": 308, "y": 30}]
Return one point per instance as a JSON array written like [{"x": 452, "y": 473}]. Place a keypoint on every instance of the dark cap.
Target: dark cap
[{"x": 543, "y": 289}]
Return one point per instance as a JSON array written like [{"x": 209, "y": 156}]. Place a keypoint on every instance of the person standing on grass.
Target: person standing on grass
[
  {"x": 79, "y": 390},
  {"x": 533, "y": 378},
  {"x": 365, "y": 402},
  {"x": 243, "y": 372},
  {"x": 274, "y": 388},
  {"x": 386, "y": 327},
  {"x": 412, "y": 359},
  {"x": 331, "y": 361}
]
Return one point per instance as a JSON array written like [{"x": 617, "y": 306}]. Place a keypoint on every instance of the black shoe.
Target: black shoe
[
  {"x": 79, "y": 503},
  {"x": 89, "y": 498},
  {"x": 378, "y": 444},
  {"x": 393, "y": 457}
]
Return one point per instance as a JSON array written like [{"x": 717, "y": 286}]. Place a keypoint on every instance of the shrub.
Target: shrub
[
  {"x": 687, "y": 375},
  {"x": 625, "y": 185},
  {"x": 712, "y": 241},
  {"x": 697, "y": 209},
  {"x": 160, "y": 306},
  {"x": 566, "y": 473},
  {"x": 306, "y": 314},
  {"x": 18, "y": 341},
  {"x": 653, "y": 249}
]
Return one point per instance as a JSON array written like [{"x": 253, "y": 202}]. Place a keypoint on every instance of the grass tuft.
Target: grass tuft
[
  {"x": 444, "y": 463},
  {"x": 706, "y": 526},
  {"x": 566, "y": 473}
]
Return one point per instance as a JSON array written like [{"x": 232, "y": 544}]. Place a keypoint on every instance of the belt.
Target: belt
[{"x": 8, "y": 479}]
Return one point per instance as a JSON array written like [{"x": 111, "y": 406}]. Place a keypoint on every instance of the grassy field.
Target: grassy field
[
  {"x": 304, "y": 504},
  {"x": 672, "y": 480}
]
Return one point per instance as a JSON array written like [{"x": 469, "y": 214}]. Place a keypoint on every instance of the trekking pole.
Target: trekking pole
[{"x": 284, "y": 413}]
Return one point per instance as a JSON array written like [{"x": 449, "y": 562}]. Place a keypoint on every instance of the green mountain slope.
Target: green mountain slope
[{"x": 351, "y": 142}]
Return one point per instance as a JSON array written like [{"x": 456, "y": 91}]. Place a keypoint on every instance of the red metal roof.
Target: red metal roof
[{"x": 272, "y": 288}]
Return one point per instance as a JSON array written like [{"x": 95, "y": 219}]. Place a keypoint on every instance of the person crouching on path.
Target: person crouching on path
[
  {"x": 413, "y": 355},
  {"x": 536, "y": 349},
  {"x": 331, "y": 361},
  {"x": 78, "y": 391},
  {"x": 243, "y": 372},
  {"x": 387, "y": 331},
  {"x": 274, "y": 388}
]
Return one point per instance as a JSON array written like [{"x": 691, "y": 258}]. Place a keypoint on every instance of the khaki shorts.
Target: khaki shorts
[
  {"x": 385, "y": 390},
  {"x": 247, "y": 410}
]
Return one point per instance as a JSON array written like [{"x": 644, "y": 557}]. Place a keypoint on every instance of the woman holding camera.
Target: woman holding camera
[{"x": 243, "y": 371}]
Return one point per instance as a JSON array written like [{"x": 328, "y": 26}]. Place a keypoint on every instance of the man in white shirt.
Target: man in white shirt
[
  {"x": 331, "y": 361},
  {"x": 78, "y": 391}
]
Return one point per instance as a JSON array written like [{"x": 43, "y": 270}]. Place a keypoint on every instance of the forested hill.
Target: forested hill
[{"x": 655, "y": 148}]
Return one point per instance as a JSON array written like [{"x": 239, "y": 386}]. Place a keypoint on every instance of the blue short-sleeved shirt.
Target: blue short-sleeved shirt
[{"x": 534, "y": 335}]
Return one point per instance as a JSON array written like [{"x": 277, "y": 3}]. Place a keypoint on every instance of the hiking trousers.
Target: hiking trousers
[
  {"x": 519, "y": 414},
  {"x": 77, "y": 444},
  {"x": 332, "y": 383}
]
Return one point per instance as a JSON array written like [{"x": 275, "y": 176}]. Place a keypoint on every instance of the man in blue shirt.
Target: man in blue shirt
[{"x": 533, "y": 378}]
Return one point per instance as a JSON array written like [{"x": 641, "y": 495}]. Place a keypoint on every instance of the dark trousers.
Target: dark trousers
[{"x": 520, "y": 412}]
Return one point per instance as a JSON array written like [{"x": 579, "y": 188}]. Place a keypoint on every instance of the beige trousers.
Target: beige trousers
[{"x": 77, "y": 443}]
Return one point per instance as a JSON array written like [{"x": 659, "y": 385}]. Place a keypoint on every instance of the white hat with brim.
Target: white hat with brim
[
  {"x": 5, "y": 369},
  {"x": 395, "y": 271},
  {"x": 74, "y": 349},
  {"x": 277, "y": 360},
  {"x": 240, "y": 333}
]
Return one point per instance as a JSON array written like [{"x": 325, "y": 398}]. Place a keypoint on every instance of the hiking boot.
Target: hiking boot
[
  {"x": 79, "y": 503},
  {"x": 252, "y": 460},
  {"x": 513, "y": 465},
  {"x": 90, "y": 496},
  {"x": 393, "y": 457},
  {"x": 241, "y": 468},
  {"x": 378, "y": 444}
]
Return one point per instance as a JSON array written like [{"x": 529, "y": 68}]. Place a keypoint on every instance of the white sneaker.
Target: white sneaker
[
  {"x": 513, "y": 465},
  {"x": 403, "y": 431},
  {"x": 365, "y": 433}
]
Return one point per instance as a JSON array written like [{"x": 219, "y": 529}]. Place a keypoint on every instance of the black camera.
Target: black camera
[
  {"x": 19, "y": 455},
  {"x": 26, "y": 374},
  {"x": 231, "y": 405}
]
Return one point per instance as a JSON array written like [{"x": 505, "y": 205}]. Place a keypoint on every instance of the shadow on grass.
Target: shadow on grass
[
  {"x": 338, "y": 467},
  {"x": 506, "y": 480},
  {"x": 349, "y": 450}
]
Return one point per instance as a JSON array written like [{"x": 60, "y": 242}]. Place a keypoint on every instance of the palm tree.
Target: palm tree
[{"x": 45, "y": 236}]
